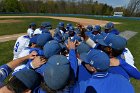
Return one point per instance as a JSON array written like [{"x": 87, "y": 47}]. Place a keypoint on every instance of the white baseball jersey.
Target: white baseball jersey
[
  {"x": 21, "y": 43},
  {"x": 37, "y": 31},
  {"x": 30, "y": 32},
  {"x": 24, "y": 52},
  {"x": 129, "y": 57}
]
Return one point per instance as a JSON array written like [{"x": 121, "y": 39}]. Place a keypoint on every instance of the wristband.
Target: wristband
[{"x": 90, "y": 42}]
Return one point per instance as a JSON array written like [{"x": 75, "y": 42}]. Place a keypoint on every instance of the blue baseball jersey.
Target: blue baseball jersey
[
  {"x": 58, "y": 35},
  {"x": 114, "y": 31},
  {"x": 83, "y": 73},
  {"x": 4, "y": 72},
  {"x": 39, "y": 90},
  {"x": 132, "y": 71},
  {"x": 104, "y": 83},
  {"x": 80, "y": 72},
  {"x": 125, "y": 69}
]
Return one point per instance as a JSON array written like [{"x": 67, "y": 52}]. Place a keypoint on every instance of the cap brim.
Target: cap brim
[
  {"x": 101, "y": 42},
  {"x": 94, "y": 30}
]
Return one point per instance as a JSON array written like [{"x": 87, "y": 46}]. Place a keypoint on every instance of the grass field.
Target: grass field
[
  {"x": 21, "y": 27},
  {"x": 133, "y": 43}
]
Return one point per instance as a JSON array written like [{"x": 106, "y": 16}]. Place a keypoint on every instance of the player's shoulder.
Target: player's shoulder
[
  {"x": 29, "y": 29},
  {"x": 23, "y": 38},
  {"x": 38, "y": 29}
]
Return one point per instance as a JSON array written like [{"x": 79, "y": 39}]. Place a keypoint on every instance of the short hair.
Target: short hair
[
  {"x": 46, "y": 88},
  {"x": 15, "y": 85},
  {"x": 90, "y": 89},
  {"x": 116, "y": 53}
]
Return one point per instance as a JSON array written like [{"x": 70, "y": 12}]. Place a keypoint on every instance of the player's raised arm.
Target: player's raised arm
[{"x": 6, "y": 69}]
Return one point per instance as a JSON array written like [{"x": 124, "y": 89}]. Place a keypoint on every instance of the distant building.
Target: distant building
[{"x": 118, "y": 14}]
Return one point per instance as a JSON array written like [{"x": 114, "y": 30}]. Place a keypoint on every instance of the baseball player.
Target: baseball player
[
  {"x": 89, "y": 29},
  {"x": 59, "y": 32},
  {"x": 97, "y": 62},
  {"x": 32, "y": 44},
  {"x": 96, "y": 30},
  {"x": 72, "y": 35},
  {"x": 68, "y": 26},
  {"x": 77, "y": 69},
  {"x": 48, "y": 25},
  {"x": 114, "y": 46},
  {"x": 109, "y": 28},
  {"x": 21, "y": 43},
  {"x": 31, "y": 29},
  {"x": 23, "y": 81},
  {"x": 44, "y": 28}
]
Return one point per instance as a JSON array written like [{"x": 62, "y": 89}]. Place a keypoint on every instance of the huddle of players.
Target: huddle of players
[{"x": 72, "y": 60}]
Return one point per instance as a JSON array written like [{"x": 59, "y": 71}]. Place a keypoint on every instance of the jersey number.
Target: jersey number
[{"x": 17, "y": 45}]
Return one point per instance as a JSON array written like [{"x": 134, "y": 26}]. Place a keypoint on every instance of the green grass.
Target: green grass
[
  {"x": 6, "y": 52},
  {"x": 21, "y": 27}
]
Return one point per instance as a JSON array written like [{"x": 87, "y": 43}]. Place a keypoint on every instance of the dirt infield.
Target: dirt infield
[
  {"x": 10, "y": 21},
  {"x": 83, "y": 21}
]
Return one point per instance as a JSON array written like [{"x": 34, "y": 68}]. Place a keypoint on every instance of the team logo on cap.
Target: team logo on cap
[
  {"x": 57, "y": 63},
  {"x": 91, "y": 62},
  {"x": 110, "y": 44}
]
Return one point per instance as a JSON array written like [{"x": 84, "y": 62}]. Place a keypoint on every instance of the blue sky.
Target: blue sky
[{"x": 115, "y": 3}]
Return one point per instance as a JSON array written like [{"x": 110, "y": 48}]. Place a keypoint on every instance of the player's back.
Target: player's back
[
  {"x": 21, "y": 43},
  {"x": 111, "y": 83},
  {"x": 30, "y": 32}
]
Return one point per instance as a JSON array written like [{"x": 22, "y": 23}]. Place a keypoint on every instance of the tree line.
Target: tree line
[{"x": 91, "y": 7}]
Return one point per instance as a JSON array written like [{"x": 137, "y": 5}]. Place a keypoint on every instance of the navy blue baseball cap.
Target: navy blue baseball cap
[
  {"x": 109, "y": 25},
  {"x": 97, "y": 28},
  {"x": 28, "y": 77},
  {"x": 83, "y": 48},
  {"x": 68, "y": 25},
  {"x": 43, "y": 39},
  {"x": 34, "y": 39},
  {"x": 113, "y": 41},
  {"x": 57, "y": 71},
  {"x": 39, "y": 51},
  {"x": 89, "y": 28},
  {"x": 61, "y": 24},
  {"x": 112, "y": 24},
  {"x": 51, "y": 48},
  {"x": 43, "y": 24},
  {"x": 77, "y": 31},
  {"x": 95, "y": 38},
  {"x": 45, "y": 31},
  {"x": 71, "y": 28},
  {"x": 96, "y": 58},
  {"x": 48, "y": 25},
  {"x": 65, "y": 36},
  {"x": 77, "y": 38},
  {"x": 32, "y": 24}
]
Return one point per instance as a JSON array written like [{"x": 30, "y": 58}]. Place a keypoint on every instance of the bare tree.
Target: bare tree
[{"x": 134, "y": 7}]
